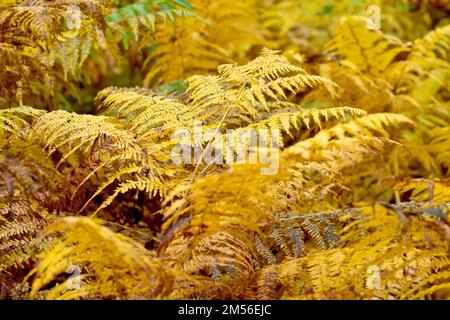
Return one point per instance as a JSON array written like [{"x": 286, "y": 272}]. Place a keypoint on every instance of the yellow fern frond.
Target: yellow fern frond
[
  {"x": 81, "y": 244},
  {"x": 250, "y": 87},
  {"x": 368, "y": 50},
  {"x": 435, "y": 44}
]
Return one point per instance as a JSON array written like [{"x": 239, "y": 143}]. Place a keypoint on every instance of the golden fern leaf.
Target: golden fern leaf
[
  {"x": 24, "y": 186},
  {"x": 205, "y": 205},
  {"x": 127, "y": 270},
  {"x": 269, "y": 65},
  {"x": 436, "y": 191},
  {"x": 436, "y": 281},
  {"x": 435, "y": 44},
  {"x": 26, "y": 174},
  {"x": 72, "y": 132},
  {"x": 279, "y": 125},
  {"x": 388, "y": 267},
  {"x": 166, "y": 64},
  {"x": 246, "y": 88},
  {"x": 220, "y": 252},
  {"x": 77, "y": 137},
  {"x": 28, "y": 184},
  {"x": 150, "y": 116},
  {"x": 151, "y": 185},
  {"x": 368, "y": 125},
  {"x": 336, "y": 154},
  {"x": 20, "y": 224},
  {"x": 245, "y": 203},
  {"x": 372, "y": 94},
  {"x": 37, "y": 36},
  {"x": 368, "y": 50},
  {"x": 12, "y": 120},
  {"x": 305, "y": 118}
]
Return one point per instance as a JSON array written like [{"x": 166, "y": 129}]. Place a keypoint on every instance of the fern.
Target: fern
[
  {"x": 128, "y": 20},
  {"x": 148, "y": 274},
  {"x": 36, "y": 34},
  {"x": 369, "y": 51},
  {"x": 321, "y": 170}
]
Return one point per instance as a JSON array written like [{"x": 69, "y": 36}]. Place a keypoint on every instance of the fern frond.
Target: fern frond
[
  {"x": 383, "y": 270},
  {"x": 434, "y": 191},
  {"x": 435, "y": 44},
  {"x": 20, "y": 224},
  {"x": 39, "y": 36},
  {"x": 202, "y": 44},
  {"x": 368, "y": 125},
  {"x": 305, "y": 118},
  {"x": 152, "y": 117},
  {"x": 250, "y": 87},
  {"x": 81, "y": 244},
  {"x": 12, "y": 120},
  {"x": 223, "y": 251},
  {"x": 82, "y": 132},
  {"x": 368, "y": 50},
  {"x": 152, "y": 186}
]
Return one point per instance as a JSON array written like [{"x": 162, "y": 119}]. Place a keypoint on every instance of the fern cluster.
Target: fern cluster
[{"x": 352, "y": 204}]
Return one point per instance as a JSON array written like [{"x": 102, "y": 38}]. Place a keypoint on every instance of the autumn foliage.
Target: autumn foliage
[{"x": 351, "y": 99}]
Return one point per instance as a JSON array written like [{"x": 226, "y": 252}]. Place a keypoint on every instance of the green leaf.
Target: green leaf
[
  {"x": 128, "y": 11},
  {"x": 183, "y": 3},
  {"x": 114, "y": 17},
  {"x": 326, "y": 10}
]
